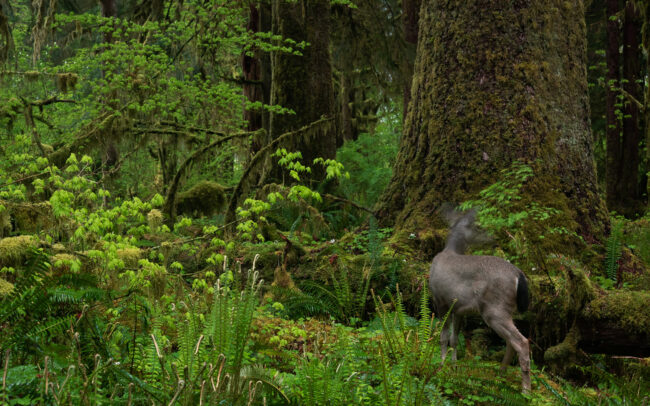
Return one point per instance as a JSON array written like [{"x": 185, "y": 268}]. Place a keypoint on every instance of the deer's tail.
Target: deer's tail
[{"x": 522, "y": 293}]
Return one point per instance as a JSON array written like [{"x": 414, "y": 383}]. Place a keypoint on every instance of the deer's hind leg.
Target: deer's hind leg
[
  {"x": 507, "y": 358},
  {"x": 503, "y": 325}
]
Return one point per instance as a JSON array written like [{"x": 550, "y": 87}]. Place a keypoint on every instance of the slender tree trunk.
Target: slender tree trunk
[
  {"x": 111, "y": 151},
  {"x": 631, "y": 132},
  {"x": 496, "y": 82},
  {"x": 346, "y": 95},
  {"x": 303, "y": 83},
  {"x": 646, "y": 46},
  {"x": 253, "y": 89},
  {"x": 613, "y": 131}
]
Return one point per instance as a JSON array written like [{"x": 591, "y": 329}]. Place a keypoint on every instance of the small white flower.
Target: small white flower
[
  {"x": 332, "y": 241},
  {"x": 412, "y": 235},
  {"x": 533, "y": 269}
]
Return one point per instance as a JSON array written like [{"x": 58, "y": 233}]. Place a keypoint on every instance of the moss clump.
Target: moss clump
[
  {"x": 629, "y": 309},
  {"x": 422, "y": 245},
  {"x": 155, "y": 219},
  {"x": 130, "y": 256},
  {"x": 13, "y": 250},
  {"x": 564, "y": 356},
  {"x": 48, "y": 148},
  {"x": 204, "y": 199},
  {"x": 5, "y": 288}
]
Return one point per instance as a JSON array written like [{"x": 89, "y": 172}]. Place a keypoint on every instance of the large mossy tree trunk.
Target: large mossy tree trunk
[
  {"x": 303, "y": 83},
  {"x": 496, "y": 82}
]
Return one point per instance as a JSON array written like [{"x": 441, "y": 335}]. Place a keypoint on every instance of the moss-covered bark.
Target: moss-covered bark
[
  {"x": 496, "y": 82},
  {"x": 303, "y": 83}
]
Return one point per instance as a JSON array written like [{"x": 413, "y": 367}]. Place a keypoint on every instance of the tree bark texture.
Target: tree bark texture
[
  {"x": 303, "y": 83},
  {"x": 496, "y": 82},
  {"x": 411, "y": 15}
]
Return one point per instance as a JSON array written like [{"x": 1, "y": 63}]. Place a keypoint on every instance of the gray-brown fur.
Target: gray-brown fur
[{"x": 487, "y": 285}]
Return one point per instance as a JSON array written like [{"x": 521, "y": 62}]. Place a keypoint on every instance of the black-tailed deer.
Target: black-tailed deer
[{"x": 487, "y": 285}]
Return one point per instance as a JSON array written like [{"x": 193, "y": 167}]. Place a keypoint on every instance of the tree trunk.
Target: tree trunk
[
  {"x": 257, "y": 76},
  {"x": 303, "y": 83},
  {"x": 411, "y": 15},
  {"x": 613, "y": 129},
  {"x": 631, "y": 132},
  {"x": 496, "y": 82},
  {"x": 646, "y": 46}
]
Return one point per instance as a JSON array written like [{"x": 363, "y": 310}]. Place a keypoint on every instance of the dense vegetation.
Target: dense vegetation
[{"x": 195, "y": 206}]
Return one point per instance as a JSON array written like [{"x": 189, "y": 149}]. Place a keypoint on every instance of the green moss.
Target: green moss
[
  {"x": 564, "y": 356},
  {"x": 629, "y": 309},
  {"x": 14, "y": 250},
  {"x": 130, "y": 256},
  {"x": 5, "y": 221},
  {"x": 5, "y": 288},
  {"x": 206, "y": 198}
]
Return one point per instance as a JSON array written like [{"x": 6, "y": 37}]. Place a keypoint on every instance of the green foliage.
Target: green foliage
[
  {"x": 369, "y": 161},
  {"x": 525, "y": 224},
  {"x": 614, "y": 249},
  {"x": 42, "y": 306},
  {"x": 344, "y": 299}
]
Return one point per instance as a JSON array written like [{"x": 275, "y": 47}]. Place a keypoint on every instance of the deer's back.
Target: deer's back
[{"x": 474, "y": 281}]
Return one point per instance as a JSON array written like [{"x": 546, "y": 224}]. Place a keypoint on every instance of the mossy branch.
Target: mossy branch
[
  {"x": 257, "y": 158},
  {"x": 169, "y": 207}
]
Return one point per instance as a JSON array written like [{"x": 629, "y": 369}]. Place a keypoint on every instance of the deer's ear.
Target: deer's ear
[{"x": 449, "y": 213}]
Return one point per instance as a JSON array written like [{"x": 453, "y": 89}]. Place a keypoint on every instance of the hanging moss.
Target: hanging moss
[
  {"x": 154, "y": 219},
  {"x": 206, "y": 198},
  {"x": 5, "y": 221},
  {"x": 31, "y": 217},
  {"x": 14, "y": 250},
  {"x": 31, "y": 75},
  {"x": 66, "y": 81}
]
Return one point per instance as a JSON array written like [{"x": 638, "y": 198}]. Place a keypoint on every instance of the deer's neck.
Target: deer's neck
[{"x": 456, "y": 245}]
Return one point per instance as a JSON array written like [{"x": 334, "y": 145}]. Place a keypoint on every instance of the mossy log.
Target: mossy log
[{"x": 616, "y": 323}]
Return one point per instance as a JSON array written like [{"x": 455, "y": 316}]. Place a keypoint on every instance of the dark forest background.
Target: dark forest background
[{"x": 237, "y": 202}]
